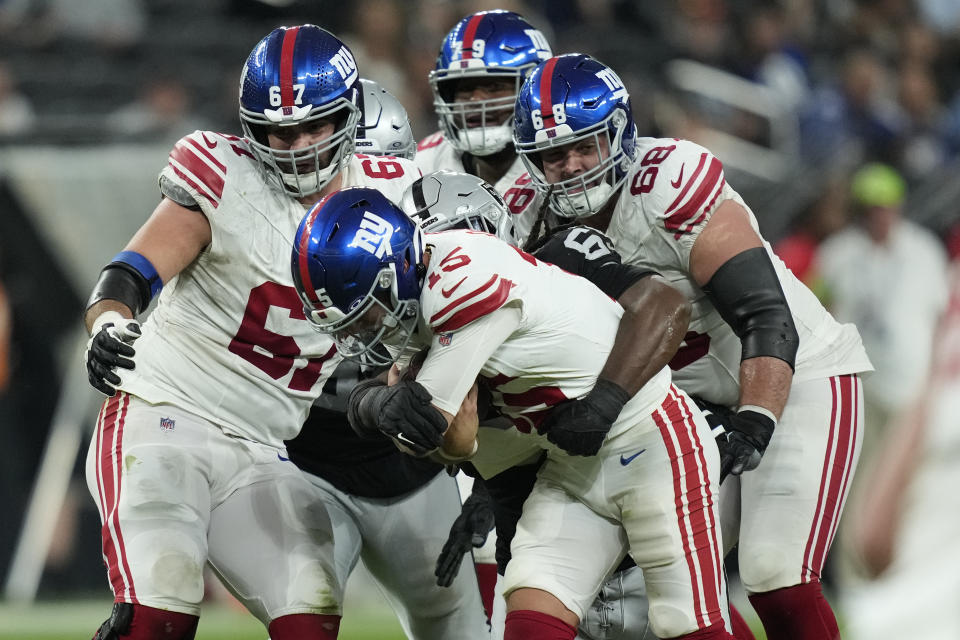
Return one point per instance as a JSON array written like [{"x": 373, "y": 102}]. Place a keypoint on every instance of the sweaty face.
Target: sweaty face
[
  {"x": 574, "y": 159},
  {"x": 476, "y": 89}
]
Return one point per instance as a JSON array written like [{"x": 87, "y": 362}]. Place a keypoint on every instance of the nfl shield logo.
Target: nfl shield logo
[
  {"x": 446, "y": 339},
  {"x": 167, "y": 424}
]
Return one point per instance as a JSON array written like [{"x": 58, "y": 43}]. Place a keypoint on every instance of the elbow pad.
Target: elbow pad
[
  {"x": 131, "y": 279},
  {"x": 746, "y": 292}
]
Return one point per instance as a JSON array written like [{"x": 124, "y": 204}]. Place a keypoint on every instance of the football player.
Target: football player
[
  {"x": 757, "y": 336},
  {"x": 370, "y": 278},
  {"x": 481, "y": 64},
  {"x": 384, "y": 129},
  {"x": 437, "y": 202},
  {"x": 378, "y": 499},
  {"x": 189, "y": 447}
]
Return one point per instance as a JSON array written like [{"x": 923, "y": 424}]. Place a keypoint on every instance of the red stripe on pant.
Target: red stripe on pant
[
  {"x": 838, "y": 467},
  {"x": 716, "y": 552},
  {"x": 677, "y": 424},
  {"x": 109, "y": 472}
]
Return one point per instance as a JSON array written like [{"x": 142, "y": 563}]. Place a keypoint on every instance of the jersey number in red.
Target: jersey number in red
[{"x": 272, "y": 353}]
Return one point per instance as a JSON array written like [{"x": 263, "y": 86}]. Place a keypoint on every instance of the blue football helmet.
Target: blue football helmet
[
  {"x": 355, "y": 265},
  {"x": 568, "y": 99},
  {"x": 496, "y": 45},
  {"x": 451, "y": 200},
  {"x": 384, "y": 129},
  {"x": 295, "y": 76}
]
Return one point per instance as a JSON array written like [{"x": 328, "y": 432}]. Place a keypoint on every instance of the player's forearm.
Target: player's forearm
[
  {"x": 765, "y": 382},
  {"x": 654, "y": 321}
]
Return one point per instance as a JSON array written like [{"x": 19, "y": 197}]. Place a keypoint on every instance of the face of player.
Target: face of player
[
  {"x": 302, "y": 136},
  {"x": 574, "y": 159},
  {"x": 367, "y": 329},
  {"x": 477, "y": 89}
]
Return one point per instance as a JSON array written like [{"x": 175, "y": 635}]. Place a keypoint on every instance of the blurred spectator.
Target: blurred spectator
[
  {"x": 857, "y": 116},
  {"x": 926, "y": 140},
  {"x": 887, "y": 275},
  {"x": 16, "y": 113},
  {"x": 377, "y": 45},
  {"x": 113, "y": 24},
  {"x": 907, "y": 524},
  {"x": 767, "y": 57},
  {"x": 799, "y": 248},
  {"x": 162, "y": 112}
]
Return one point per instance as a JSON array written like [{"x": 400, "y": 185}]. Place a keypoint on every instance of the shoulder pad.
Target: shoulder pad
[
  {"x": 682, "y": 181},
  {"x": 431, "y": 140},
  {"x": 456, "y": 294},
  {"x": 199, "y": 161}
]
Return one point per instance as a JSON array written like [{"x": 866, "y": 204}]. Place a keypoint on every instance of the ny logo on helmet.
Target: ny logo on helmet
[
  {"x": 373, "y": 235},
  {"x": 539, "y": 42},
  {"x": 613, "y": 82},
  {"x": 345, "y": 64}
]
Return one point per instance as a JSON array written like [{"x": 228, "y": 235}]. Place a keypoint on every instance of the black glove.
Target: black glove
[
  {"x": 109, "y": 348},
  {"x": 748, "y": 434},
  {"x": 742, "y": 436},
  {"x": 470, "y": 529},
  {"x": 579, "y": 426},
  {"x": 401, "y": 411}
]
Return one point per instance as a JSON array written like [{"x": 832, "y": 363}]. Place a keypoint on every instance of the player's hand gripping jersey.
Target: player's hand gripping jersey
[
  {"x": 228, "y": 339},
  {"x": 670, "y": 193},
  {"x": 555, "y": 354}
]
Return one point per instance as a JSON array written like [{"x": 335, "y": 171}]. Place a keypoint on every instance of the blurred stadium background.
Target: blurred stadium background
[{"x": 794, "y": 96}]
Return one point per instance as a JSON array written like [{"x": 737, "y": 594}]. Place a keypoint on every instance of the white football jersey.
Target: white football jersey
[
  {"x": 672, "y": 189},
  {"x": 228, "y": 339},
  {"x": 435, "y": 153},
  {"x": 566, "y": 331}
]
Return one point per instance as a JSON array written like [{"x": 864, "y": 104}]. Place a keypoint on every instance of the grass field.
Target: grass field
[
  {"x": 78, "y": 619},
  {"x": 366, "y": 617}
]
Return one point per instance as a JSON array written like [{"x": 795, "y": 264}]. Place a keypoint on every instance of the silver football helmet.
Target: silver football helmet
[
  {"x": 384, "y": 128},
  {"x": 451, "y": 200}
]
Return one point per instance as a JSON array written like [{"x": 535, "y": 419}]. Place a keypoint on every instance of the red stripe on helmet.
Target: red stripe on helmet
[
  {"x": 286, "y": 66},
  {"x": 302, "y": 263},
  {"x": 546, "y": 103},
  {"x": 466, "y": 47}
]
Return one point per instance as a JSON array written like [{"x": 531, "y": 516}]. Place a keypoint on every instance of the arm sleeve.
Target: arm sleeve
[
  {"x": 588, "y": 253},
  {"x": 455, "y": 358}
]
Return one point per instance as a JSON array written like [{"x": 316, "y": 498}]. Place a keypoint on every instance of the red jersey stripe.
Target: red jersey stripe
[
  {"x": 690, "y": 183},
  {"x": 430, "y": 141},
  {"x": 456, "y": 303},
  {"x": 466, "y": 47},
  {"x": 199, "y": 147},
  {"x": 534, "y": 397},
  {"x": 193, "y": 183},
  {"x": 286, "y": 66},
  {"x": 674, "y": 221},
  {"x": 480, "y": 308},
  {"x": 200, "y": 168}
]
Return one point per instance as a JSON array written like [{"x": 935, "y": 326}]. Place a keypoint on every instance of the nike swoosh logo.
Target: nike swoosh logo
[
  {"x": 282, "y": 459},
  {"x": 206, "y": 140},
  {"x": 627, "y": 460},
  {"x": 676, "y": 183},
  {"x": 449, "y": 292}
]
